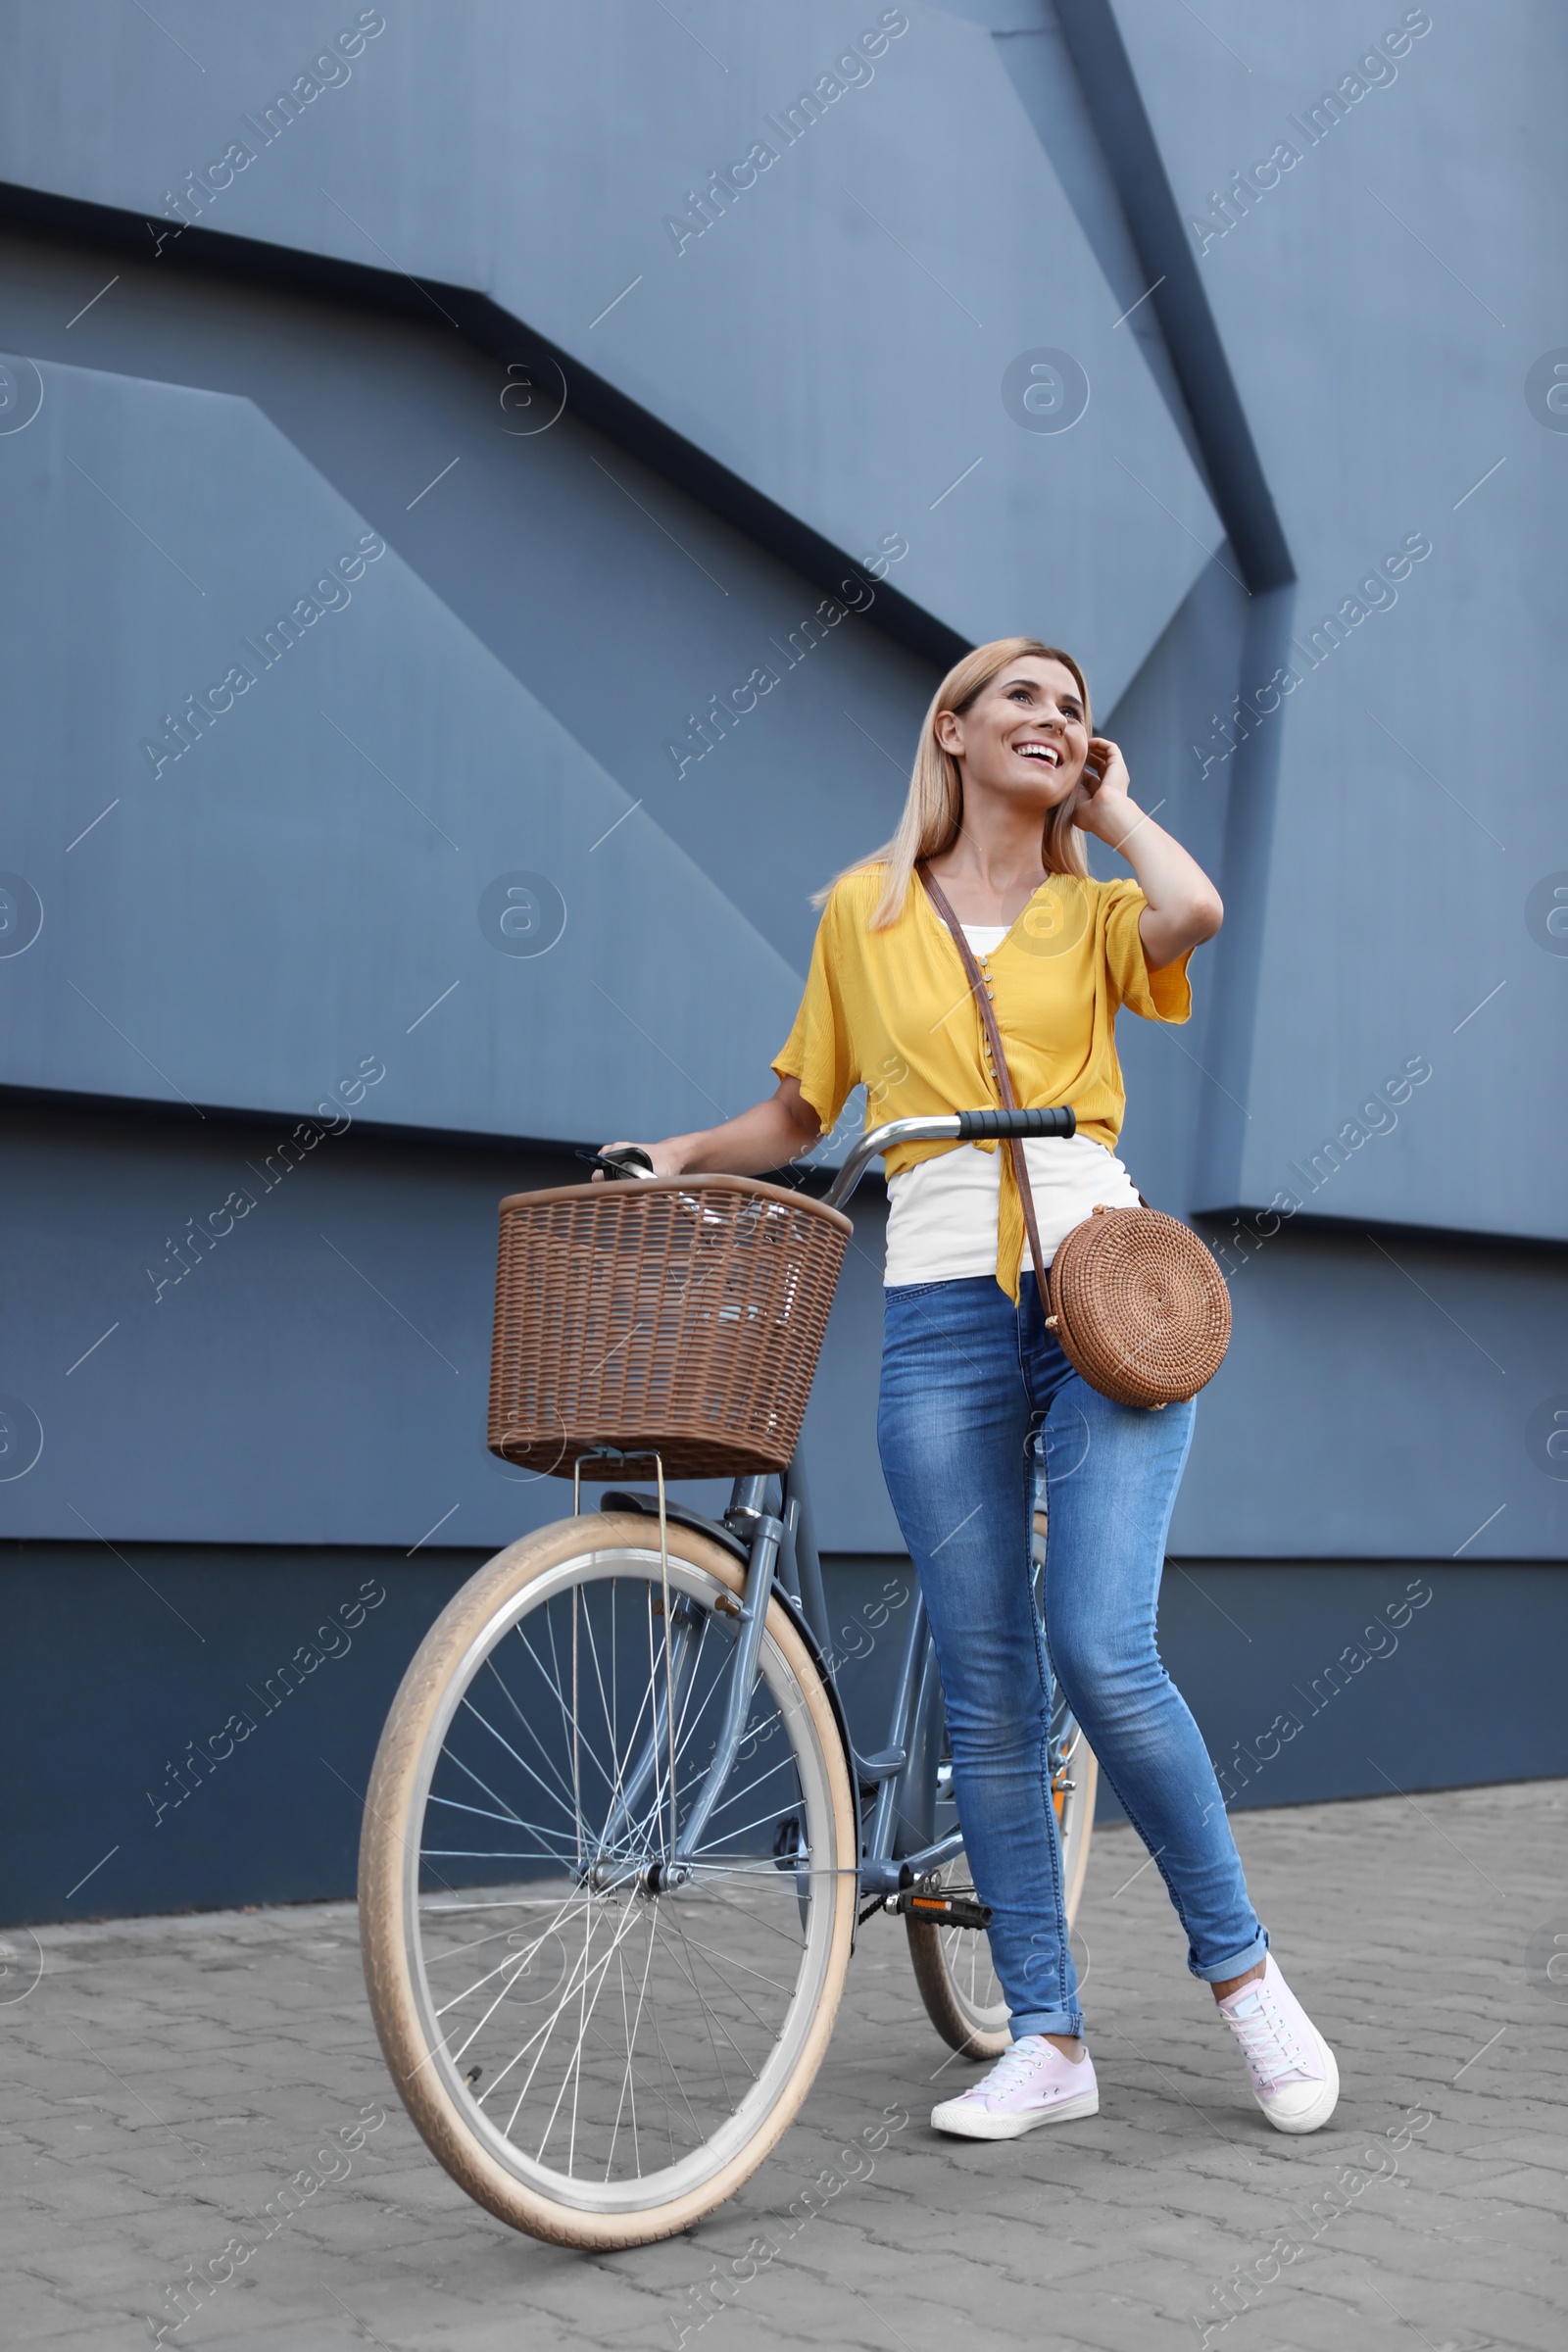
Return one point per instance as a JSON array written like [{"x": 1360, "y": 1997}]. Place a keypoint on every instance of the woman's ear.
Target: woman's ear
[{"x": 950, "y": 732}]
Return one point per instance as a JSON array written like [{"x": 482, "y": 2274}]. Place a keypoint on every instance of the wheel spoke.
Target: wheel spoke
[
  {"x": 733, "y": 1990},
  {"x": 511, "y": 1752},
  {"x": 521, "y": 1959},
  {"x": 506, "y": 1690},
  {"x": 476, "y": 2029},
  {"x": 482, "y": 1811},
  {"x": 773, "y": 1814},
  {"x": 493, "y": 1853},
  {"x": 730, "y": 1904},
  {"x": 505, "y": 1813},
  {"x": 706, "y": 2010}
]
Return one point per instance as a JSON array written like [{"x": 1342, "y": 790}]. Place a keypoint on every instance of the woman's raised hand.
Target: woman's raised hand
[
  {"x": 1184, "y": 908},
  {"x": 1103, "y": 807}
]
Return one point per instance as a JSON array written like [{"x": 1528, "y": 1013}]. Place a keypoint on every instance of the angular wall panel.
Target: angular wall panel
[
  {"x": 621, "y": 604},
  {"x": 300, "y": 885},
  {"x": 1382, "y": 299},
  {"x": 911, "y": 238}
]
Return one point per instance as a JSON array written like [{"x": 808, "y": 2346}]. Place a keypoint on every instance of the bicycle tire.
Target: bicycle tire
[
  {"x": 953, "y": 1965},
  {"x": 577, "y": 1559}
]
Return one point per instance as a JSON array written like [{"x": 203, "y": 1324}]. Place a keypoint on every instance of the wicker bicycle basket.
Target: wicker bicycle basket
[{"x": 682, "y": 1316}]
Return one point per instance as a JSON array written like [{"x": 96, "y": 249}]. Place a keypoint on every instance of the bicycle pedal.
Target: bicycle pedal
[{"x": 939, "y": 1910}]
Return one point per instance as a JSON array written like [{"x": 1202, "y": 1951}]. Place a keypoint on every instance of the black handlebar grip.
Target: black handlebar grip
[
  {"x": 625, "y": 1163},
  {"x": 1058, "y": 1122}
]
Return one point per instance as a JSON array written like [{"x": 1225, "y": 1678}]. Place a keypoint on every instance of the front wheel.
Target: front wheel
[
  {"x": 953, "y": 1966},
  {"x": 597, "y": 2055}
]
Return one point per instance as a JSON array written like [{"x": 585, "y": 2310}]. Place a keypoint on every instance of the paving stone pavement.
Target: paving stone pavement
[{"x": 167, "y": 2076}]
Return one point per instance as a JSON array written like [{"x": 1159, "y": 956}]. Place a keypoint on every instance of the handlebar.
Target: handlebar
[
  {"x": 958, "y": 1126},
  {"x": 628, "y": 1161}
]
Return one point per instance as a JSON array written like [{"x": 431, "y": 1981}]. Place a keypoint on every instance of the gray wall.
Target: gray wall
[{"x": 460, "y": 314}]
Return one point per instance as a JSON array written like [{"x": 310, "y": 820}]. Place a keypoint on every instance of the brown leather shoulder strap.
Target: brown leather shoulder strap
[{"x": 999, "y": 1063}]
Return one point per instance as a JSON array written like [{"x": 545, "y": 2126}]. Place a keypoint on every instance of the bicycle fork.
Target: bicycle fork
[
  {"x": 653, "y": 1775},
  {"x": 767, "y": 1533}
]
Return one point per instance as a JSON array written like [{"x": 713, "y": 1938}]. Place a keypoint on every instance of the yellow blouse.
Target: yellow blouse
[{"x": 892, "y": 1009}]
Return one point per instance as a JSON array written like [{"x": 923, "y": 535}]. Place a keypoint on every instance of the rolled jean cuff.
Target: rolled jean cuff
[
  {"x": 1047, "y": 2020},
  {"x": 1224, "y": 1970}
]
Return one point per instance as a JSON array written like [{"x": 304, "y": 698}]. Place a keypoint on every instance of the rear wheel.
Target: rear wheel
[
  {"x": 596, "y": 2055},
  {"x": 953, "y": 1966}
]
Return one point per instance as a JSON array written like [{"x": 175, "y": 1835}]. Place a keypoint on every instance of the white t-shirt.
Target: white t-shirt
[{"x": 942, "y": 1213}]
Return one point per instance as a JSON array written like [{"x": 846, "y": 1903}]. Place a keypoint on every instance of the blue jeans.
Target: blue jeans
[{"x": 967, "y": 1382}]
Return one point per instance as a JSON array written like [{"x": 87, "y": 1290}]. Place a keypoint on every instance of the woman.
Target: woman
[{"x": 1007, "y": 780}]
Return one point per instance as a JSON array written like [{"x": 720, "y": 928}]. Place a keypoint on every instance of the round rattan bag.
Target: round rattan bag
[{"x": 1139, "y": 1305}]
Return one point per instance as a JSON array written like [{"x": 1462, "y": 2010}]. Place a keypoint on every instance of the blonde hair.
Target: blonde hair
[{"x": 933, "y": 810}]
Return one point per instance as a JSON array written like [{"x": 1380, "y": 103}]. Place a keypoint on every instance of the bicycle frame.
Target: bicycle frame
[
  {"x": 780, "y": 1550},
  {"x": 903, "y": 1770},
  {"x": 781, "y": 1557}
]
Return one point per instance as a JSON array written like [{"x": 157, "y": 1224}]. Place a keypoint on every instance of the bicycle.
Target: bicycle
[{"x": 617, "y": 1840}]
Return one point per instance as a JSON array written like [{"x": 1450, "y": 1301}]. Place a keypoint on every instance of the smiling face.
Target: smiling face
[{"x": 1025, "y": 735}]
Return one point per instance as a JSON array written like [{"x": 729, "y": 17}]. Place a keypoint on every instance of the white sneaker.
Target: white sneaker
[
  {"x": 1294, "y": 2077},
  {"x": 1031, "y": 2084}
]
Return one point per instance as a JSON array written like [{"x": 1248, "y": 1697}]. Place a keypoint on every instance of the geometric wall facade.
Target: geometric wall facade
[{"x": 488, "y": 494}]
